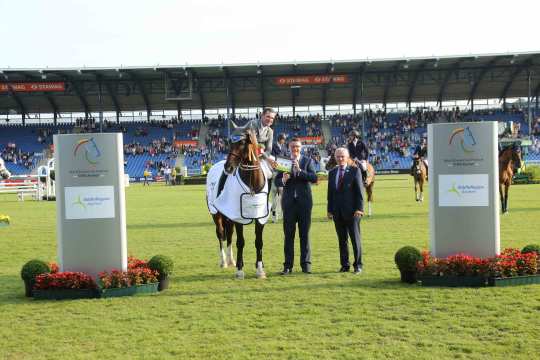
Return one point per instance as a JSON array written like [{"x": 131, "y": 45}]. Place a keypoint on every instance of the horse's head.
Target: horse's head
[
  {"x": 512, "y": 153},
  {"x": 243, "y": 150},
  {"x": 516, "y": 157},
  {"x": 416, "y": 161}
]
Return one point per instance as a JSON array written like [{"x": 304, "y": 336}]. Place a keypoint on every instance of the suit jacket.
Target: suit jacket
[
  {"x": 360, "y": 151},
  {"x": 280, "y": 150},
  {"x": 299, "y": 184},
  {"x": 345, "y": 201}
]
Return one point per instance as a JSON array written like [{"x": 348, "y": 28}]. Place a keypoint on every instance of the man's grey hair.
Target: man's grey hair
[
  {"x": 344, "y": 150},
  {"x": 268, "y": 110}
]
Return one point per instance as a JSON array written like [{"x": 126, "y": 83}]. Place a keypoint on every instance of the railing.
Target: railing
[{"x": 21, "y": 185}]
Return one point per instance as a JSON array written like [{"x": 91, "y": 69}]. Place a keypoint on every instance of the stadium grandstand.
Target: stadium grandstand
[{"x": 180, "y": 115}]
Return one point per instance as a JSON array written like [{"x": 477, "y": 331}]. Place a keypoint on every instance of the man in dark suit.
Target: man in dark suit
[
  {"x": 358, "y": 151},
  {"x": 280, "y": 148},
  {"x": 346, "y": 207},
  {"x": 297, "y": 203}
]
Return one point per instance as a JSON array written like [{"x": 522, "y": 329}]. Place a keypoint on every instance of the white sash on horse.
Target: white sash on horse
[{"x": 235, "y": 200}]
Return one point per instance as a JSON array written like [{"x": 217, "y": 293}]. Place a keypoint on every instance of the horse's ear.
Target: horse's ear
[{"x": 252, "y": 137}]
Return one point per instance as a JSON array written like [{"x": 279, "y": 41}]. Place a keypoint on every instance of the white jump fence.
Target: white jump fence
[{"x": 22, "y": 185}]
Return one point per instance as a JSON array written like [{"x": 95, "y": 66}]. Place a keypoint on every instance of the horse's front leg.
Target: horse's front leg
[
  {"x": 416, "y": 189},
  {"x": 421, "y": 198},
  {"x": 369, "y": 192},
  {"x": 229, "y": 233},
  {"x": 220, "y": 234},
  {"x": 240, "y": 242},
  {"x": 506, "y": 189},
  {"x": 261, "y": 274},
  {"x": 501, "y": 196}
]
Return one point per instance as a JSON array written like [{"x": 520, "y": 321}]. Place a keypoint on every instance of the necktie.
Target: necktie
[{"x": 340, "y": 178}]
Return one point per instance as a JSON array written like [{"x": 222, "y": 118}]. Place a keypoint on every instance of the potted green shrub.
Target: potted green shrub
[
  {"x": 531, "y": 248},
  {"x": 406, "y": 259},
  {"x": 30, "y": 271},
  {"x": 164, "y": 266}
]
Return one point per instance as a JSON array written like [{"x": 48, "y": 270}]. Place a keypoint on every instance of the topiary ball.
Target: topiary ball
[
  {"x": 34, "y": 268},
  {"x": 162, "y": 264},
  {"x": 531, "y": 248},
  {"x": 407, "y": 257}
]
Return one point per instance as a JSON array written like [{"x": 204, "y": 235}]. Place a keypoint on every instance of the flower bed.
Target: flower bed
[
  {"x": 138, "y": 279},
  {"x": 466, "y": 270},
  {"x": 65, "y": 285}
]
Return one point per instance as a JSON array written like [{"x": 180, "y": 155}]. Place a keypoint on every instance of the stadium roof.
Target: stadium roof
[{"x": 402, "y": 80}]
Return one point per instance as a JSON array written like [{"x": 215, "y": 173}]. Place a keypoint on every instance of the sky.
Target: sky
[{"x": 113, "y": 33}]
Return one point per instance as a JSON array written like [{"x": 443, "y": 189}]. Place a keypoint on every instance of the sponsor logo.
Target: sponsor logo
[
  {"x": 464, "y": 138},
  {"x": 79, "y": 203},
  {"x": 88, "y": 149},
  {"x": 454, "y": 190}
]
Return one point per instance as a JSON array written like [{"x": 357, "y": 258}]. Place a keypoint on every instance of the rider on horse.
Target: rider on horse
[
  {"x": 264, "y": 134},
  {"x": 420, "y": 152},
  {"x": 358, "y": 152}
]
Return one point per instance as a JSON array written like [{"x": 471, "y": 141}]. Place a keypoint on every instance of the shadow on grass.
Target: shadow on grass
[
  {"x": 172, "y": 225},
  {"x": 12, "y": 291},
  {"x": 527, "y": 209},
  {"x": 357, "y": 282}
]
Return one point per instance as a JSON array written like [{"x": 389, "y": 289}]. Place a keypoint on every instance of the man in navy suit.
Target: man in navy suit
[
  {"x": 346, "y": 207},
  {"x": 297, "y": 203}
]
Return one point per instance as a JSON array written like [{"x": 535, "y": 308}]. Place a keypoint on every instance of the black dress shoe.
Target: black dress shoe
[
  {"x": 344, "y": 269},
  {"x": 357, "y": 270},
  {"x": 286, "y": 271}
]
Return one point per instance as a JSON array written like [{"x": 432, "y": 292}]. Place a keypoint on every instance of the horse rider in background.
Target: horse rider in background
[
  {"x": 421, "y": 152},
  {"x": 358, "y": 152}
]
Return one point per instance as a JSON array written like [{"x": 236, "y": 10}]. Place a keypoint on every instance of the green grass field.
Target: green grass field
[{"x": 207, "y": 314}]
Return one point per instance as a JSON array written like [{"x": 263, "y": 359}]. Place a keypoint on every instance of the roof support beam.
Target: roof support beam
[
  {"x": 481, "y": 76},
  {"x": 261, "y": 86},
  {"x": 199, "y": 91},
  {"x": 112, "y": 93},
  {"x": 412, "y": 86},
  {"x": 359, "y": 74},
  {"x": 229, "y": 88},
  {"x": 295, "y": 90},
  {"x": 54, "y": 106},
  {"x": 20, "y": 104},
  {"x": 48, "y": 96},
  {"x": 144, "y": 95},
  {"x": 389, "y": 77},
  {"x": 78, "y": 87},
  {"x": 447, "y": 77},
  {"x": 524, "y": 65},
  {"x": 329, "y": 70}
]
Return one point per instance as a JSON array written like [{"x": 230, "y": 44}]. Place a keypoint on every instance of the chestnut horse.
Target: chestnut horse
[
  {"x": 420, "y": 177},
  {"x": 509, "y": 160},
  {"x": 242, "y": 158},
  {"x": 370, "y": 178}
]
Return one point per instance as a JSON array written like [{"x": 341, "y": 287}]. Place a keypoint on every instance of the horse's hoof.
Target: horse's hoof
[
  {"x": 261, "y": 275},
  {"x": 240, "y": 275},
  {"x": 231, "y": 262},
  {"x": 223, "y": 265}
]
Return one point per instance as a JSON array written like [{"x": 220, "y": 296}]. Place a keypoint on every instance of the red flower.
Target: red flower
[
  {"x": 511, "y": 262},
  {"x": 64, "y": 280}
]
